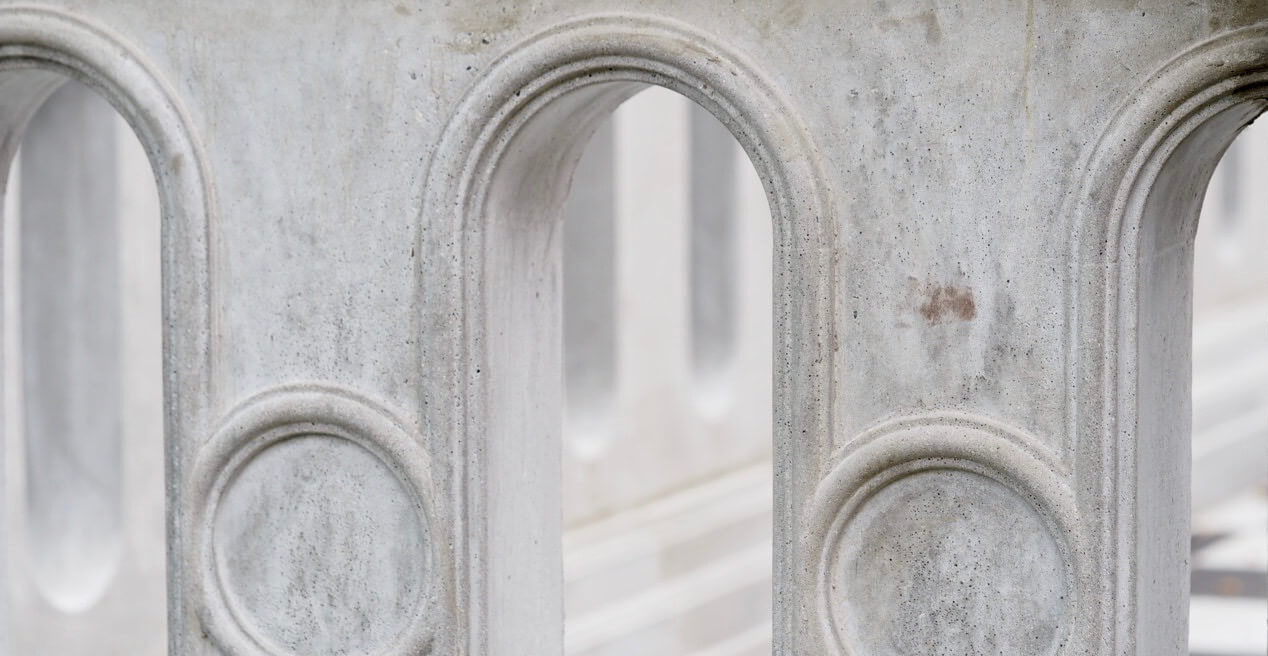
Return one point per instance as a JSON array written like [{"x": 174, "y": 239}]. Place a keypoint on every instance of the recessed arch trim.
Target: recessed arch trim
[
  {"x": 596, "y": 62},
  {"x": 46, "y": 39},
  {"x": 1220, "y": 84}
]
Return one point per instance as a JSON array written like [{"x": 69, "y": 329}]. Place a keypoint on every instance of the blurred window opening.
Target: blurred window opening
[
  {"x": 1229, "y": 586},
  {"x": 85, "y": 546},
  {"x": 668, "y": 368}
]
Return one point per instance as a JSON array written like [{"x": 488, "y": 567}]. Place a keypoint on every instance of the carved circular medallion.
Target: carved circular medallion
[
  {"x": 314, "y": 534},
  {"x": 945, "y": 539},
  {"x": 947, "y": 561}
]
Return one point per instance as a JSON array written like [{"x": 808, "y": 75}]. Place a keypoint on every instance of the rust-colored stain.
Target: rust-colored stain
[{"x": 948, "y": 303}]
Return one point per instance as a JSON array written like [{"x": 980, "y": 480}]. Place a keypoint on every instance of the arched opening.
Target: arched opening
[
  {"x": 1229, "y": 579},
  {"x": 1165, "y": 247},
  {"x": 1168, "y": 143},
  {"x": 654, "y": 448},
  {"x": 516, "y": 138},
  {"x": 667, "y": 426},
  {"x": 84, "y": 495},
  {"x": 1135, "y": 211}
]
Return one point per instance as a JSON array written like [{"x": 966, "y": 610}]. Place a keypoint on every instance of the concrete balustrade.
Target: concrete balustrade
[{"x": 981, "y": 225}]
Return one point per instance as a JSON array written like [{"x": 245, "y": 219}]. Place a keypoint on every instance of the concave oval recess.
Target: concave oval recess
[
  {"x": 947, "y": 561},
  {"x": 316, "y": 545}
]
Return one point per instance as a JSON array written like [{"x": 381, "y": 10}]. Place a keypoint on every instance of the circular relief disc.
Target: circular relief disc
[
  {"x": 313, "y": 530},
  {"x": 946, "y": 561},
  {"x": 316, "y": 547}
]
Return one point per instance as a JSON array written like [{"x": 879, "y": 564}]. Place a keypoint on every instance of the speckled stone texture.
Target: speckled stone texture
[{"x": 983, "y": 223}]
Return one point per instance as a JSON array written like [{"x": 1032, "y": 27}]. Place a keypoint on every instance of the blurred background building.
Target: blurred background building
[{"x": 668, "y": 351}]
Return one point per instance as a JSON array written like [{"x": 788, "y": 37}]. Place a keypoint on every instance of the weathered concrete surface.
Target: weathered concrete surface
[{"x": 982, "y": 226}]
